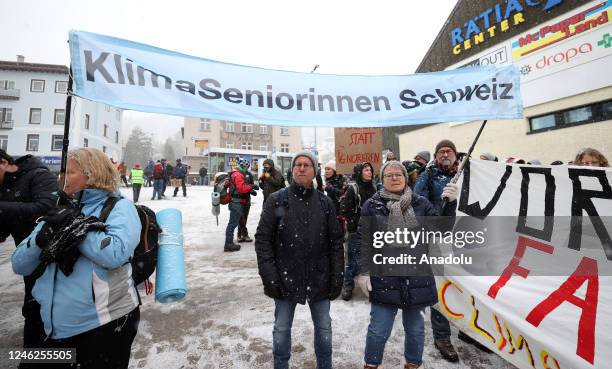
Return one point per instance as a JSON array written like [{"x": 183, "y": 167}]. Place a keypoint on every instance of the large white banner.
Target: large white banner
[
  {"x": 140, "y": 77},
  {"x": 550, "y": 305}
]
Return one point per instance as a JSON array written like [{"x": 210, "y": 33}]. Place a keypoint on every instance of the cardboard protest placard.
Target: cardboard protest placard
[{"x": 358, "y": 145}]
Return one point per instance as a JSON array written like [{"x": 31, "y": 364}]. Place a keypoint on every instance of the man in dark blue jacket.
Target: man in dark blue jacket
[{"x": 180, "y": 172}]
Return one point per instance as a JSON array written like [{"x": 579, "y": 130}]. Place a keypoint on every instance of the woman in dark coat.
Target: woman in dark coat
[{"x": 411, "y": 288}]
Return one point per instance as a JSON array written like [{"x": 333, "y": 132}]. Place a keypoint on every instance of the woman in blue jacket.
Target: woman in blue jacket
[
  {"x": 392, "y": 208},
  {"x": 88, "y": 301}
]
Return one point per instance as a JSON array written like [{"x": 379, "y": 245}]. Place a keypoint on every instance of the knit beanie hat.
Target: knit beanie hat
[
  {"x": 424, "y": 154},
  {"x": 446, "y": 143},
  {"x": 331, "y": 164},
  {"x": 307, "y": 154}
]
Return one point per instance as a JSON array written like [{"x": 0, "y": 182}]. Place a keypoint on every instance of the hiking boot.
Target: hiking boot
[
  {"x": 347, "y": 293},
  {"x": 467, "y": 339},
  {"x": 447, "y": 350},
  {"x": 370, "y": 366},
  {"x": 246, "y": 239},
  {"x": 229, "y": 247},
  {"x": 411, "y": 366}
]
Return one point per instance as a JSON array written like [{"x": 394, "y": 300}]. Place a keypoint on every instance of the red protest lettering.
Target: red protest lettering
[
  {"x": 585, "y": 272},
  {"x": 514, "y": 267}
]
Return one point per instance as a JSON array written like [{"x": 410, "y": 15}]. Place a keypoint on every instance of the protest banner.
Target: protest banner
[
  {"x": 532, "y": 317},
  {"x": 141, "y": 77},
  {"x": 357, "y": 145}
]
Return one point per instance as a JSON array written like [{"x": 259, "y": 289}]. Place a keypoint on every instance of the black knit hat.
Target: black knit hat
[
  {"x": 445, "y": 143},
  {"x": 4, "y": 155}
]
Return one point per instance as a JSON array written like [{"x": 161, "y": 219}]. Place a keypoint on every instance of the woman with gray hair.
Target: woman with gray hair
[
  {"x": 392, "y": 208},
  {"x": 87, "y": 297}
]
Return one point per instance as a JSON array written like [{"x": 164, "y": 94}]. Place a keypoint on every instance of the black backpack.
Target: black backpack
[{"x": 144, "y": 260}]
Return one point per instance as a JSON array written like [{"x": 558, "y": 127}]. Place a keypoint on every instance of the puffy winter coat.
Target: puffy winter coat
[
  {"x": 180, "y": 171},
  {"x": 241, "y": 189},
  {"x": 299, "y": 245},
  {"x": 24, "y": 196},
  {"x": 431, "y": 183},
  {"x": 418, "y": 290},
  {"x": 100, "y": 288},
  {"x": 271, "y": 183},
  {"x": 158, "y": 171}
]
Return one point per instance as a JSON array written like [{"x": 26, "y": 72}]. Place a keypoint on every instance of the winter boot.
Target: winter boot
[
  {"x": 411, "y": 366},
  {"x": 246, "y": 238},
  {"x": 347, "y": 293},
  {"x": 229, "y": 247},
  {"x": 370, "y": 366},
  {"x": 467, "y": 339},
  {"x": 446, "y": 349}
]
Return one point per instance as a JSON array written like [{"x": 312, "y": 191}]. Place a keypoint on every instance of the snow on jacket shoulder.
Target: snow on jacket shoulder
[{"x": 100, "y": 288}]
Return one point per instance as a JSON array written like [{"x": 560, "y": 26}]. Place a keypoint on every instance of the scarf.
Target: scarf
[{"x": 401, "y": 213}]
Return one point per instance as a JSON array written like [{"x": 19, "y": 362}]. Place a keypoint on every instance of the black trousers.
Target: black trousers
[
  {"x": 106, "y": 347},
  {"x": 33, "y": 328},
  {"x": 182, "y": 185},
  {"x": 136, "y": 191},
  {"x": 242, "y": 228}
]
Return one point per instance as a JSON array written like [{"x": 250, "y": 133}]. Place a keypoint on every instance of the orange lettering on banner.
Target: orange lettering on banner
[
  {"x": 585, "y": 272},
  {"x": 514, "y": 267},
  {"x": 442, "y": 297},
  {"x": 474, "y": 322},
  {"x": 544, "y": 355},
  {"x": 358, "y": 145}
]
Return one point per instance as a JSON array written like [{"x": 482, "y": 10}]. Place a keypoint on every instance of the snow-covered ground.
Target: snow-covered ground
[{"x": 225, "y": 321}]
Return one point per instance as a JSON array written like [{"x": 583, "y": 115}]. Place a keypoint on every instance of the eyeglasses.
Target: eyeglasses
[
  {"x": 393, "y": 175},
  {"x": 445, "y": 152},
  {"x": 303, "y": 165}
]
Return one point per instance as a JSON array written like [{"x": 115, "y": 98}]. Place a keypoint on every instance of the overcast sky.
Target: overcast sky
[{"x": 343, "y": 37}]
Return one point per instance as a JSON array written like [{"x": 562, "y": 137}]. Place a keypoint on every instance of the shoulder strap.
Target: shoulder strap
[
  {"x": 108, "y": 207},
  {"x": 355, "y": 187}
]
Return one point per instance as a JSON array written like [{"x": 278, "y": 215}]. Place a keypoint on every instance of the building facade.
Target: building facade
[
  {"x": 564, "y": 54},
  {"x": 32, "y": 114},
  {"x": 216, "y": 143}
]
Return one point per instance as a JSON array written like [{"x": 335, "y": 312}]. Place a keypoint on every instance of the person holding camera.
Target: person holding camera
[{"x": 271, "y": 180}]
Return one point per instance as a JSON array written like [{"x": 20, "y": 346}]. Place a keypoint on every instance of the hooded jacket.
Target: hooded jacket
[
  {"x": 349, "y": 202},
  {"x": 333, "y": 188},
  {"x": 100, "y": 288},
  {"x": 272, "y": 183},
  {"x": 24, "y": 196}
]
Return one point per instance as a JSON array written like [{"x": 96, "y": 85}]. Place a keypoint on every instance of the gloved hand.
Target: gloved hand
[
  {"x": 253, "y": 193},
  {"x": 255, "y": 187},
  {"x": 334, "y": 292},
  {"x": 54, "y": 221},
  {"x": 273, "y": 290},
  {"x": 451, "y": 192},
  {"x": 364, "y": 283}
]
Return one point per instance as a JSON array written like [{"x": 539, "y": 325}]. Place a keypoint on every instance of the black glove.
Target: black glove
[
  {"x": 255, "y": 187},
  {"x": 334, "y": 292},
  {"x": 55, "y": 220},
  {"x": 253, "y": 193},
  {"x": 274, "y": 290}
]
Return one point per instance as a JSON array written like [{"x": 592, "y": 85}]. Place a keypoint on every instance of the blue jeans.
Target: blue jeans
[
  {"x": 157, "y": 188},
  {"x": 379, "y": 330},
  {"x": 281, "y": 335},
  {"x": 235, "y": 209},
  {"x": 352, "y": 265},
  {"x": 439, "y": 325}
]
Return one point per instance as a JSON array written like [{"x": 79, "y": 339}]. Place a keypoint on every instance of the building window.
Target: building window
[
  {"x": 61, "y": 87},
  {"x": 35, "y": 115},
  {"x": 229, "y": 126},
  {"x": 60, "y": 117},
  {"x": 37, "y": 85},
  {"x": 229, "y": 145},
  {"x": 85, "y": 142},
  {"x": 284, "y": 131},
  {"x": 592, "y": 113},
  {"x": 284, "y": 148},
  {"x": 118, "y": 115},
  {"x": 116, "y": 136},
  {"x": 204, "y": 126},
  {"x": 105, "y": 130},
  {"x": 4, "y": 142},
  {"x": 56, "y": 143},
  {"x": 247, "y": 128},
  {"x": 7, "y": 85},
  {"x": 263, "y": 130},
  {"x": 86, "y": 121},
  {"x": 107, "y": 107},
  {"x": 6, "y": 115},
  {"x": 32, "y": 142},
  {"x": 104, "y": 149},
  {"x": 247, "y": 146},
  {"x": 263, "y": 147}
]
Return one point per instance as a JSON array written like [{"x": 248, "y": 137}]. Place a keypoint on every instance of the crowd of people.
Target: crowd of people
[{"x": 313, "y": 244}]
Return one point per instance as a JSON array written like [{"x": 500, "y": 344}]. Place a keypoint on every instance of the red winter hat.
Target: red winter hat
[{"x": 136, "y": 165}]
